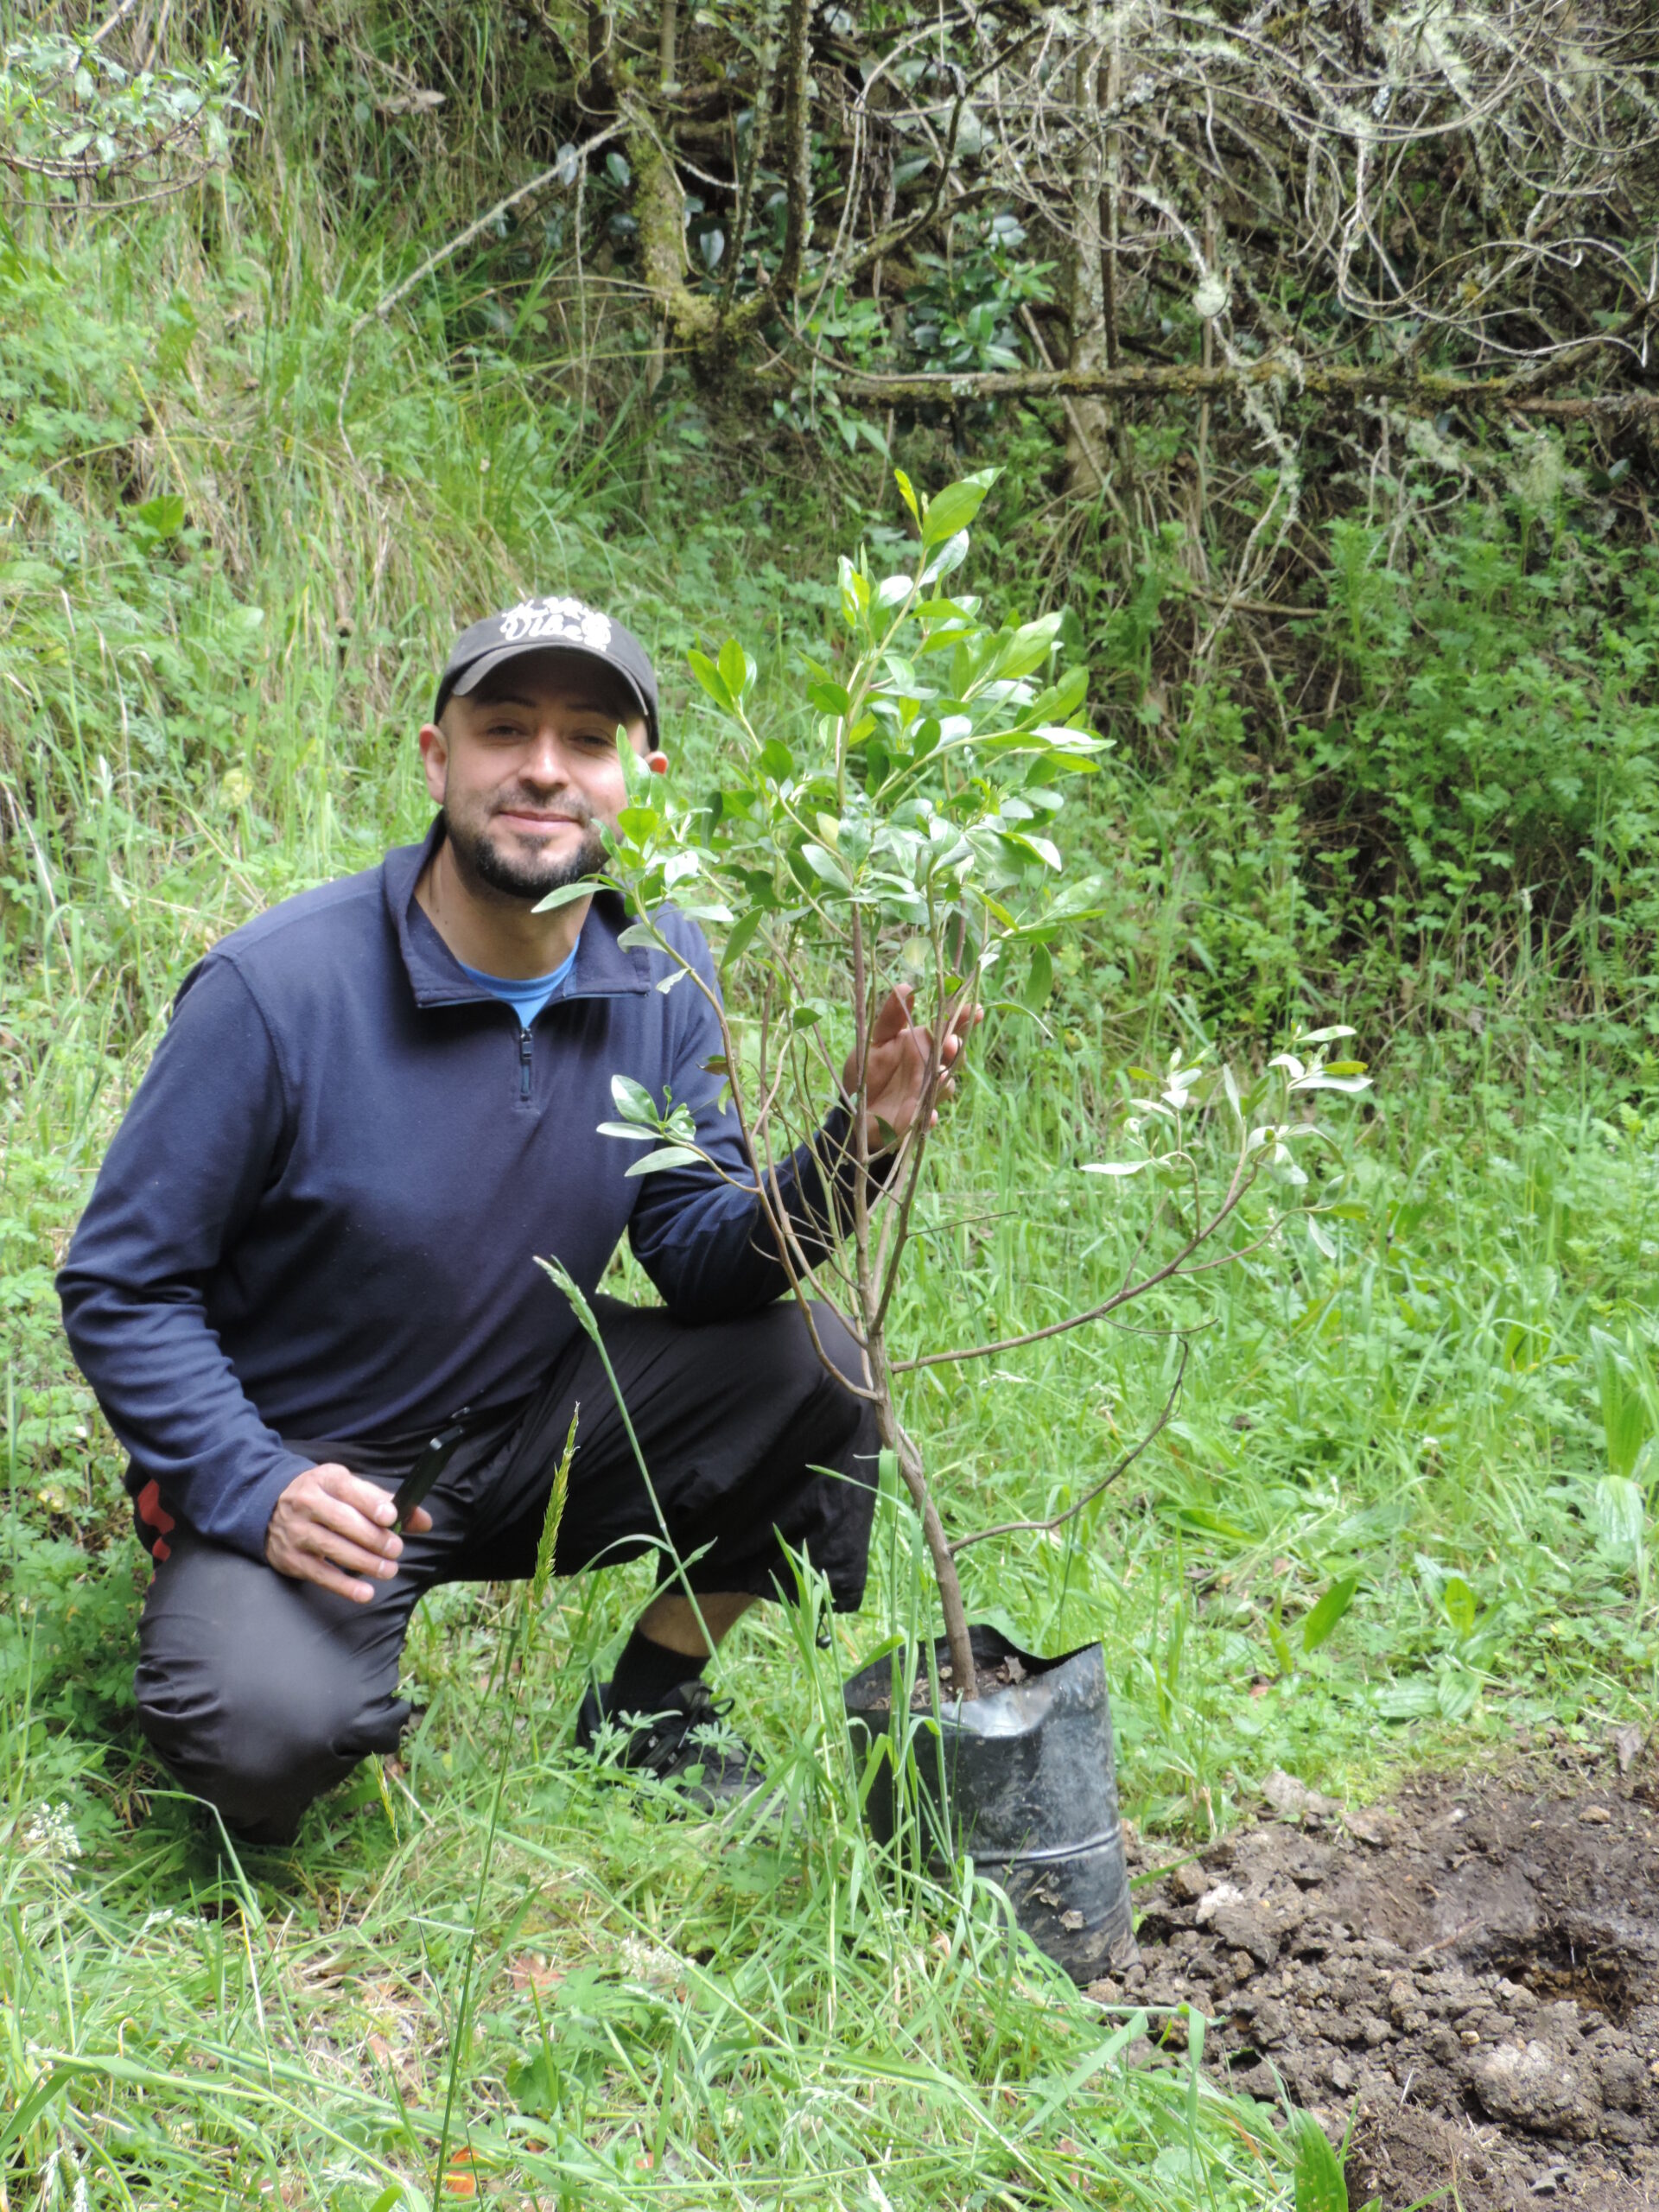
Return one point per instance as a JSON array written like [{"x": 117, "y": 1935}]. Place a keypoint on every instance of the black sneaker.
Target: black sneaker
[{"x": 687, "y": 1744}]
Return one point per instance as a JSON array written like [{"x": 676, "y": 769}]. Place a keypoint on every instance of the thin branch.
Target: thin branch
[
  {"x": 1129, "y": 1291},
  {"x": 899, "y": 233},
  {"x": 115, "y": 15},
  {"x": 560, "y": 173},
  {"x": 1019, "y": 1527}
]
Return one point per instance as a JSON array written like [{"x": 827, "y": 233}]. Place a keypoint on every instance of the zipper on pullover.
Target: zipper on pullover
[{"x": 524, "y": 1050}]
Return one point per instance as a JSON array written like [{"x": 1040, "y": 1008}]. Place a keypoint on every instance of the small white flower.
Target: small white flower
[
  {"x": 649, "y": 1963},
  {"x": 52, "y": 1832}
]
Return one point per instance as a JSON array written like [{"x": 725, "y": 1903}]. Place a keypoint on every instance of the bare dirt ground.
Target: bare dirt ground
[{"x": 1469, "y": 1972}]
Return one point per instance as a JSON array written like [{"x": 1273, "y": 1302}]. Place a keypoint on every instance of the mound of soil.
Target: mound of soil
[{"x": 1470, "y": 1974}]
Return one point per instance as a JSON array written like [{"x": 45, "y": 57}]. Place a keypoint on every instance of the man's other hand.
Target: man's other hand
[
  {"x": 898, "y": 1063},
  {"x": 332, "y": 1528}
]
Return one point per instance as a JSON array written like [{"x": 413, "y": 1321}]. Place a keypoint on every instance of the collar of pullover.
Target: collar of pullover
[{"x": 604, "y": 968}]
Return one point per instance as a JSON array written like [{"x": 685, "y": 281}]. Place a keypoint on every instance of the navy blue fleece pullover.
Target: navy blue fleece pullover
[{"x": 321, "y": 1214}]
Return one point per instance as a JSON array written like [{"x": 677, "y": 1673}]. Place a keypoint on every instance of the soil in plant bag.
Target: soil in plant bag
[
  {"x": 1006, "y": 1674},
  {"x": 1470, "y": 1974}
]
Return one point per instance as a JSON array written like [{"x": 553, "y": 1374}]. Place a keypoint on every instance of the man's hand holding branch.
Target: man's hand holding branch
[{"x": 897, "y": 1065}]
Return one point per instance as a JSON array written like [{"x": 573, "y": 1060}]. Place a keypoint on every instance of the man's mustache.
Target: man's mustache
[{"x": 575, "y": 810}]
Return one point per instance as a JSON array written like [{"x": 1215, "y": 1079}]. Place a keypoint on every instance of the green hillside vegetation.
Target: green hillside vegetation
[{"x": 1377, "y": 666}]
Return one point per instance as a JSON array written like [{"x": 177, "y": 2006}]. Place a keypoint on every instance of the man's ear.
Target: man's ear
[{"x": 435, "y": 758}]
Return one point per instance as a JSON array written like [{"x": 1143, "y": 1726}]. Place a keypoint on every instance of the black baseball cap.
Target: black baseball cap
[{"x": 543, "y": 625}]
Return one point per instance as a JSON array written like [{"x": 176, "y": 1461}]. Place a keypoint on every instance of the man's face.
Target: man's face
[{"x": 526, "y": 769}]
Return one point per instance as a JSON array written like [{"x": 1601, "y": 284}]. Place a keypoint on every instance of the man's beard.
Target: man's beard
[{"x": 481, "y": 862}]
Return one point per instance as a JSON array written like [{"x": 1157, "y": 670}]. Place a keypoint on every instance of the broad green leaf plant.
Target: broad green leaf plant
[{"x": 897, "y": 830}]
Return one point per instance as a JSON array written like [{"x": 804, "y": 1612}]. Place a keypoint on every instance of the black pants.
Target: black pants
[{"x": 259, "y": 1693}]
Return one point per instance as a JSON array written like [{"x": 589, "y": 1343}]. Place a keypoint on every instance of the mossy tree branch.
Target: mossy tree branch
[{"x": 1192, "y": 380}]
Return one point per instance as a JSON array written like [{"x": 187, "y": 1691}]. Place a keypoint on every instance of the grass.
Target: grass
[{"x": 658, "y": 2013}]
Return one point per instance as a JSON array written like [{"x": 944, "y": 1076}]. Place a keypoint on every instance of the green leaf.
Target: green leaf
[
  {"x": 537, "y": 2085},
  {"x": 711, "y": 679},
  {"x": 671, "y": 1155},
  {"x": 1619, "y": 1513},
  {"x": 955, "y": 506},
  {"x": 949, "y": 555},
  {"x": 907, "y": 493},
  {"x": 1324, "y": 1616},
  {"x": 628, "y": 1131},
  {"x": 743, "y": 936},
  {"x": 737, "y": 670},
  {"x": 1458, "y": 1601},
  {"x": 1040, "y": 982},
  {"x": 567, "y": 893},
  {"x": 1457, "y": 1692},
  {"x": 1038, "y": 849},
  {"x": 633, "y": 1101},
  {"x": 1320, "y": 2184},
  {"x": 1028, "y": 648},
  {"x": 854, "y": 592},
  {"x": 29, "y": 2110},
  {"x": 1319, "y": 1237},
  {"x": 824, "y": 864},
  {"x": 1411, "y": 1700},
  {"x": 1074, "y": 744},
  {"x": 162, "y": 516},
  {"x": 1061, "y": 701}
]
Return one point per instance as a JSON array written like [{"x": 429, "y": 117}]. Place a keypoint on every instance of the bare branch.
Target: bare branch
[
  {"x": 1241, "y": 1183},
  {"x": 1019, "y": 1527},
  {"x": 563, "y": 170}
]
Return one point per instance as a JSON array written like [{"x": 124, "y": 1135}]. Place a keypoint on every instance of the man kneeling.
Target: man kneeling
[{"x": 312, "y": 1242}]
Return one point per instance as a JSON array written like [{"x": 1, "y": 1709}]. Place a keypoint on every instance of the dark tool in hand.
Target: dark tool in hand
[{"x": 435, "y": 1456}]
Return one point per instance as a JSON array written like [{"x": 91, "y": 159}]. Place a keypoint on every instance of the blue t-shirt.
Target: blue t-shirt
[{"x": 525, "y": 994}]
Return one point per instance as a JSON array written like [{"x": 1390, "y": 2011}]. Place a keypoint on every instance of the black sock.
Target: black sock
[{"x": 646, "y": 1673}]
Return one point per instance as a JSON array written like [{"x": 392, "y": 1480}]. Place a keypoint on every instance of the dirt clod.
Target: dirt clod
[{"x": 1471, "y": 1973}]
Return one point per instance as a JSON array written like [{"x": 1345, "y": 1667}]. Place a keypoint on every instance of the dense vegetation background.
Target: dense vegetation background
[{"x": 1315, "y": 347}]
